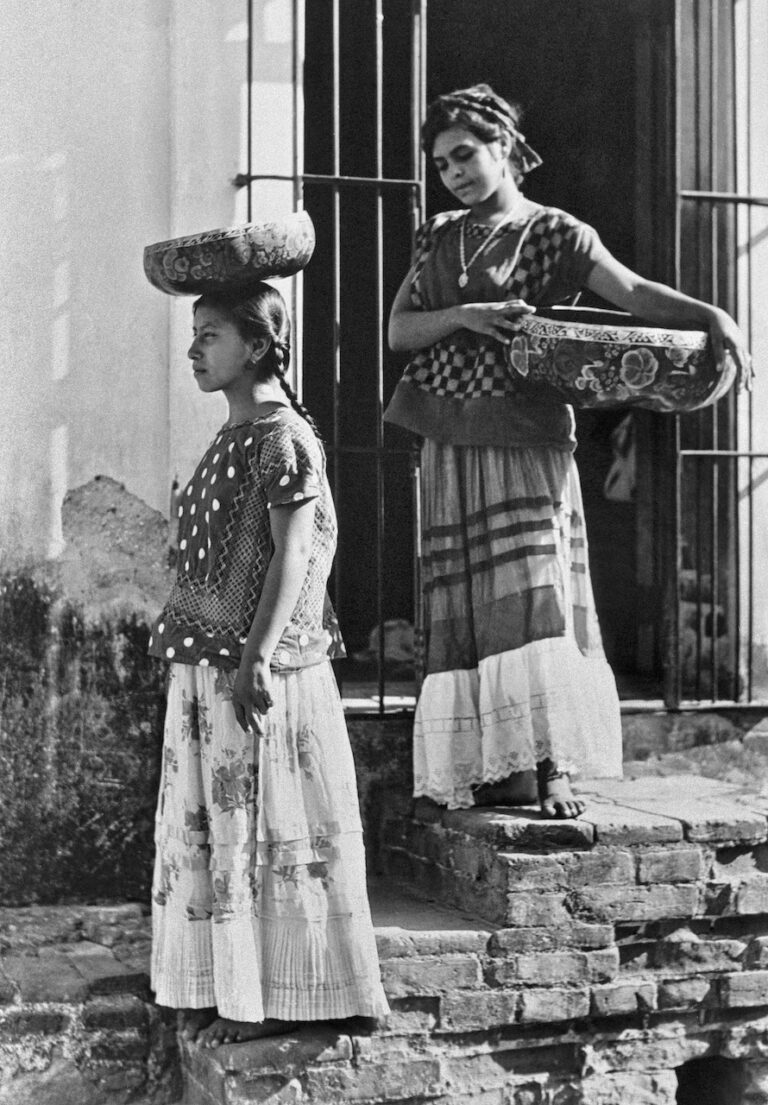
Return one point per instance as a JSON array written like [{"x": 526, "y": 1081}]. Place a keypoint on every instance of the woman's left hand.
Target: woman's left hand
[
  {"x": 252, "y": 695},
  {"x": 726, "y": 337}
]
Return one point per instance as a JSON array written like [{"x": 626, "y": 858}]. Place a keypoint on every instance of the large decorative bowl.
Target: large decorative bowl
[
  {"x": 605, "y": 359},
  {"x": 231, "y": 258}
]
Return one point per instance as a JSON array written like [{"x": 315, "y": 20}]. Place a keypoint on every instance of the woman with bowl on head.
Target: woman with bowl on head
[
  {"x": 260, "y": 914},
  {"x": 516, "y": 677}
]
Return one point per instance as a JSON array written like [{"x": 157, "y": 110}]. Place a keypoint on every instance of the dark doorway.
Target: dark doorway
[
  {"x": 714, "y": 1081},
  {"x": 572, "y": 65}
]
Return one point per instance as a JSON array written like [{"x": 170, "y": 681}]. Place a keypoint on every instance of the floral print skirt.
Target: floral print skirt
[
  {"x": 259, "y": 899},
  {"x": 515, "y": 668}
]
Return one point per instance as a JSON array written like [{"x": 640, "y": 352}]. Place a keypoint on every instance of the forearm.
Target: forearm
[
  {"x": 419, "y": 329},
  {"x": 282, "y": 586},
  {"x": 657, "y": 303}
]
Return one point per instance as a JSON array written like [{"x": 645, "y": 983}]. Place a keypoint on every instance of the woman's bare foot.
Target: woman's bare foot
[
  {"x": 223, "y": 1031},
  {"x": 556, "y": 798},
  {"x": 192, "y": 1022}
]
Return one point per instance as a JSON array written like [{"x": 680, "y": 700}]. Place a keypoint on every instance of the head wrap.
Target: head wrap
[{"x": 481, "y": 104}]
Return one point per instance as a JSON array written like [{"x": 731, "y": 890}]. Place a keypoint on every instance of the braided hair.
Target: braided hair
[{"x": 259, "y": 311}]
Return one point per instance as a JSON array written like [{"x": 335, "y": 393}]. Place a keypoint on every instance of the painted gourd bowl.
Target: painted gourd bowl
[
  {"x": 231, "y": 258},
  {"x": 605, "y": 359}
]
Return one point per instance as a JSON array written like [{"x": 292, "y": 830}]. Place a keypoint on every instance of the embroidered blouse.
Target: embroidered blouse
[
  {"x": 460, "y": 390},
  {"x": 225, "y": 545}
]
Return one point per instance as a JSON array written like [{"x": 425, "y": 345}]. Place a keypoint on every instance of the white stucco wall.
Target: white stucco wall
[{"x": 122, "y": 124}]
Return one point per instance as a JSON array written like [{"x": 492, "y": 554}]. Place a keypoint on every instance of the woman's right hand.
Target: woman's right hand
[
  {"x": 497, "y": 320},
  {"x": 252, "y": 694}
]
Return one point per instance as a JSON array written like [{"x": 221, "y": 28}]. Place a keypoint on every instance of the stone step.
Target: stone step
[
  {"x": 484, "y": 1015},
  {"x": 647, "y": 849}
]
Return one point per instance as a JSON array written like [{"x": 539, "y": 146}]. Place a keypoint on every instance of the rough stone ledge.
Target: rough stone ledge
[{"x": 635, "y": 1062}]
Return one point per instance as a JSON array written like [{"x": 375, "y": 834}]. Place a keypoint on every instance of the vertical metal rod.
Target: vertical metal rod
[
  {"x": 734, "y": 619},
  {"x": 418, "y": 206},
  {"x": 672, "y": 657},
  {"x": 298, "y": 185},
  {"x": 379, "y": 341},
  {"x": 750, "y": 402},
  {"x": 714, "y": 296},
  {"x": 336, "y": 273},
  {"x": 249, "y": 110}
]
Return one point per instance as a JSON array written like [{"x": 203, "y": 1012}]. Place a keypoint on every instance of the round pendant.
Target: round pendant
[{"x": 463, "y": 280}]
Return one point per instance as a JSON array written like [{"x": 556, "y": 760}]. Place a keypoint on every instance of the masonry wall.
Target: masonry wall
[{"x": 123, "y": 123}]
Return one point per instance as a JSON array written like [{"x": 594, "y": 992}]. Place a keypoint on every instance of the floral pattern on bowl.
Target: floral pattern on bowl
[
  {"x": 607, "y": 359},
  {"x": 232, "y": 257}
]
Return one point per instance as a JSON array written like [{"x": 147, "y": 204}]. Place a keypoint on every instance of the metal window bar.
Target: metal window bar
[
  {"x": 724, "y": 206},
  {"x": 337, "y": 181}
]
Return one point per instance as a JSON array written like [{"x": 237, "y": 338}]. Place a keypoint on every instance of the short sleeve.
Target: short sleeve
[
  {"x": 291, "y": 465},
  {"x": 424, "y": 242},
  {"x": 581, "y": 249}
]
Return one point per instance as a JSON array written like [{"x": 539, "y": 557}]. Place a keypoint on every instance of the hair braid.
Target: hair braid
[{"x": 298, "y": 406}]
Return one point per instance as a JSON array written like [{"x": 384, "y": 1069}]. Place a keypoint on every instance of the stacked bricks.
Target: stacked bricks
[
  {"x": 77, "y": 1026},
  {"x": 615, "y": 953}
]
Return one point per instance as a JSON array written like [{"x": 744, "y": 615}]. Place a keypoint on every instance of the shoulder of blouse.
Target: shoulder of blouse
[
  {"x": 288, "y": 424},
  {"x": 555, "y": 215}
]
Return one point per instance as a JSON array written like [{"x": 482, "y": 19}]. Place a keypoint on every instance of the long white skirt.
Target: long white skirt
[
  {"x": 515, "y": 668},
  {"x": 259, "y": 899}
]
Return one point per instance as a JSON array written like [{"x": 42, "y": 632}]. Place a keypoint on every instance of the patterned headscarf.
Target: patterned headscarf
[{"x": 479, "y": 106}]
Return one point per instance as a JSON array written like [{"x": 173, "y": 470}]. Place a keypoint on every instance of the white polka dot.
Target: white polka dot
[
  {"x": 283, "y": 657},
  {"x": 200, "y": 553},
  {"x": 188, "y": 642},
  {"x": 203, "y": 493},
  {"x": 209, "y": 633},
  {"x": 213, "y": 478},
  {"x": 189, "y": 490},
  {"x": 161, "y": 627},
  {"x": 194, "y": 531},
  {"x": 299, "y": 495},
  {"x": 183, "y": 542},
  {"x": 303, "y": 640},
  {"x": 150, "y": 640},
  {"x": 204, "y": 662},
  {"x": 249, "y": 442},
  {"x": 207, "y": 516},
  {"x": 186, "y": 566},
  {"x": 215, "y": 459},
  {"x": 181, "y": 512},
  {"x": 169, "y": 652},
  {"x": 223, "y": 652},
  {"x": 243, "y": 640},
  {"x": 204, "y": 473},
  {"x": 284, "y": 480},
  {"x": 230, "y": 447},
  {"x": 215, "y": 504},
  {"x": 230, "y": 471},
  {"x": 269, "y": 506},
  {"x": 193, "y": 509}
]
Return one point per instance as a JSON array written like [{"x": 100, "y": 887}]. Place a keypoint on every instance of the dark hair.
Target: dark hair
[
  {"x": 259, "y": 311},
  {"x": 477, "y": 109}
]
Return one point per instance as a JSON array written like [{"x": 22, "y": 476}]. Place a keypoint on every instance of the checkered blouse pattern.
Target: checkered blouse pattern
[{"x": 468, "y": 365}]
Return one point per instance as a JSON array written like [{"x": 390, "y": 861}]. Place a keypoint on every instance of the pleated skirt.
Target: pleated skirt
[
  {"x": 515, "y": 668},
  {"x": 259, "y": 898}
]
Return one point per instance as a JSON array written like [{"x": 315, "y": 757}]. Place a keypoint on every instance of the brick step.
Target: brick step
[
  {"x": 648, "y": 849},
  {"x": 485, "y": 1015}
]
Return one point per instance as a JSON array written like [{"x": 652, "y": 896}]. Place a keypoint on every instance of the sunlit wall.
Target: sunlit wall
[{"x": 123, "y": 123}]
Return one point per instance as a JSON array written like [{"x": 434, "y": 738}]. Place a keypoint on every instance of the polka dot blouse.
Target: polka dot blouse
[{"x": 225, "y": 545}]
